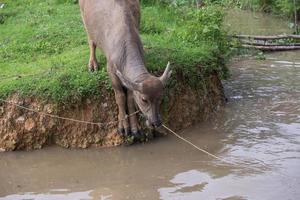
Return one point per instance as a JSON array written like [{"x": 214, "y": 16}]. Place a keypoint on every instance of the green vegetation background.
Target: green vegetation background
[
  {"x": 283, "y": 8},
  {"x": 44, "y": 50}
]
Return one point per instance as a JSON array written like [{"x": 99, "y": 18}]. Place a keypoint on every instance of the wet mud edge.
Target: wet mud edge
[{"x": 25, "y": 130}]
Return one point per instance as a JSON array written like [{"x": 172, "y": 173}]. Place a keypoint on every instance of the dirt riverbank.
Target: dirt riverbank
[{"x": 25, "y": 130}]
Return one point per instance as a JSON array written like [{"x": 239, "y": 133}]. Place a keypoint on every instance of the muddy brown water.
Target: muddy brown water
[
  {"x": 259, "y": 129},
  {"x": 255, "y": 23}
]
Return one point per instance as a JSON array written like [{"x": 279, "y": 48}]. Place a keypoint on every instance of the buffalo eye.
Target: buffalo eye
[{"x": 144, "y": 100}]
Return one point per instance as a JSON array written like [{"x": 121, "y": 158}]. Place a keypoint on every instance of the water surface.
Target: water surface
[
  {"x": 259, "y": 129},
  {"x": 255, "y": 23}
]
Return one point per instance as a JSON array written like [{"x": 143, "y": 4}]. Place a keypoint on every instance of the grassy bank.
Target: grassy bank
[{"x": 44, "y": 51}]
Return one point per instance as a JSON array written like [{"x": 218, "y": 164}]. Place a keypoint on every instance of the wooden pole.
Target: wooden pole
[
  {"x": 272, "y": 48},
  {"x": 268, "y": 45},
  {"x": 262, "y": 37},
  {"x": 296, "y": 20}
]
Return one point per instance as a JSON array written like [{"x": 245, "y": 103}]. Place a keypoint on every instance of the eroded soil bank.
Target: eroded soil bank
[{"x": 25, "y": 130}]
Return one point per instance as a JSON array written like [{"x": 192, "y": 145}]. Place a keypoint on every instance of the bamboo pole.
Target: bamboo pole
[
  {"x": 261, "y": 37},
  {"x": 268, "y": 44},
  {"x": 296, "y": 20},
  {"x": 272, "y": 48}
]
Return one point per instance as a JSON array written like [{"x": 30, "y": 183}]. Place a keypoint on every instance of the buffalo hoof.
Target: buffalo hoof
[
  {"x": 135, "y": 136},
  {"x": 93, "y": 66},
  {"x": 92, "y": 70},
  {"x": 139, "y": 136},
  {"x": 121, "y": 131},
  {"x": 124, "y": 132}
]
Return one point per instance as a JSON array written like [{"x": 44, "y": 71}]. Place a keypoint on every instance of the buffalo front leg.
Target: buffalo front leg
[
  {"x": 93, "y": 64},
  {"x": 120, "y": 96},
  {"x": 133, "y": 117},
  {"x": 123, "y": 125}
]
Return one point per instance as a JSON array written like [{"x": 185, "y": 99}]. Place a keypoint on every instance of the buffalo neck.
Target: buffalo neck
[{"x": 132, "y": 58}]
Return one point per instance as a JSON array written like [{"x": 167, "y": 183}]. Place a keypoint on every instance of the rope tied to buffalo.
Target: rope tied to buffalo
[{"x": 100, "y": 124}]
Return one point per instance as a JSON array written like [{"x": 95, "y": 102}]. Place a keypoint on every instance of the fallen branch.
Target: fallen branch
[
  {"x": 268, "y": 44},
  {"x": 272, "y": 48},
  {"x": 260, "y": 37}
]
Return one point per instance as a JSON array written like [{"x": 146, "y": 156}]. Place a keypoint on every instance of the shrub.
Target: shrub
[{"x": 203, "y": 25}]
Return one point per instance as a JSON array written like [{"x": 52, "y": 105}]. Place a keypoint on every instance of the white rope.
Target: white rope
[
  {"x": 66, "y": 118},
  {"x": 126, "y": 117},
  {"x": 198, "y": 148},
  {"x": 218, "y": 158}
]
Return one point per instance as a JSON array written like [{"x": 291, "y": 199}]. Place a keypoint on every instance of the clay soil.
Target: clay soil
[{"x": 25, "y": 130}]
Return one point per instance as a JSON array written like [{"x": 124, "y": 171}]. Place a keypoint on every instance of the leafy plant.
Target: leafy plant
[{"x": 203, "y": 24}]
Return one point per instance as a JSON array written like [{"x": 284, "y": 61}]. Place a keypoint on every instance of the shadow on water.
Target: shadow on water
[{"x": 259, "y": 129}]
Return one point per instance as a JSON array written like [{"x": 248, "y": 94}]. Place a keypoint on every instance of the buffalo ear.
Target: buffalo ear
[
  {"x": 128, "y": 83},
  {"x": 167, "y": 74}
]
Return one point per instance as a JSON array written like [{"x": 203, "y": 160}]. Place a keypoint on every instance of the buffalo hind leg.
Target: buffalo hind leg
[{"x": 93, "y": 63}]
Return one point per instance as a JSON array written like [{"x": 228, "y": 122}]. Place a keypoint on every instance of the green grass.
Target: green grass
[{"x": 44, "y": 42}]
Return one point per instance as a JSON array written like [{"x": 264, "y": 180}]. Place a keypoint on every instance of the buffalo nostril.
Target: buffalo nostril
[{"x": 157, "y": 124}]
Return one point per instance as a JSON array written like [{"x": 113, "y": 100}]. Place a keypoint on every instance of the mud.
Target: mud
[{"x": 25, "y": 130}]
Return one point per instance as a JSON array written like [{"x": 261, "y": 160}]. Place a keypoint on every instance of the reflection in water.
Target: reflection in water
[
  {"x": 57, "y": 196},
  {"x": 259, "y": 128}
]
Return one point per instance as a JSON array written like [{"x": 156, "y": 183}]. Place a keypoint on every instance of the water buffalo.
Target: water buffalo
[{"x": 113, "y": 26}]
